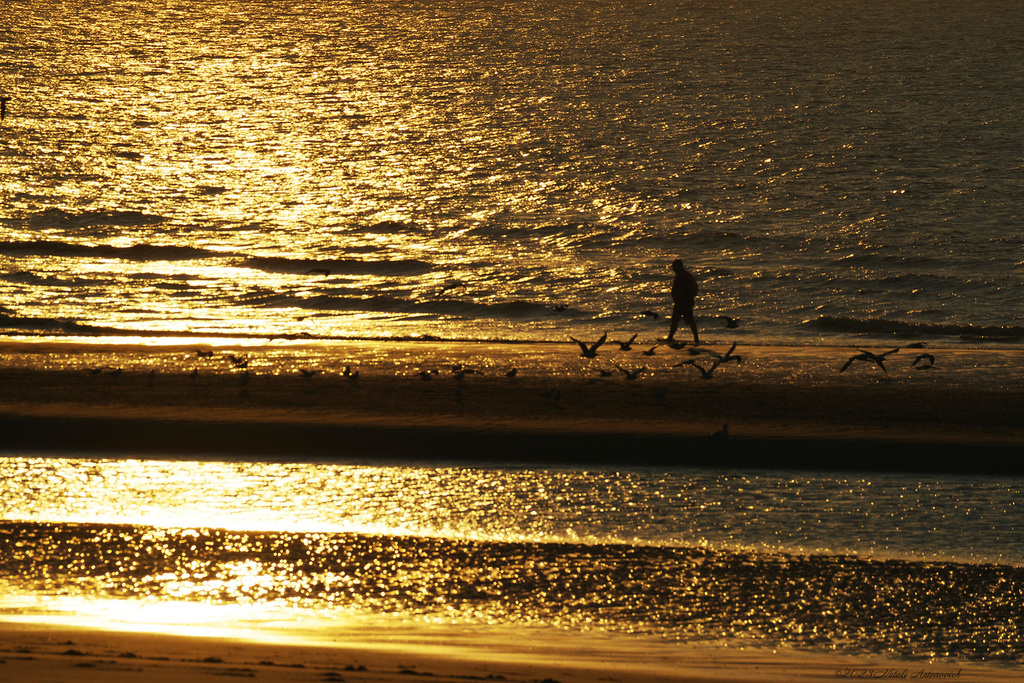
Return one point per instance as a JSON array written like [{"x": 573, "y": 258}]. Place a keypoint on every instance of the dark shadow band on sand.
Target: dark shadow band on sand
[{"x": 495, "y": 445}]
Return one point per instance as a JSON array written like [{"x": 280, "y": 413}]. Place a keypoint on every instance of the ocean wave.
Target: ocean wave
[
  {"x": 11, "y": 322},
  {"x": 280, "y": 264},
  {"x": 59, "y": 218},
  {"x": 134, "y": 252},
  {"x": 429, "y": 307},
  {"x": 876, "y": 326}
]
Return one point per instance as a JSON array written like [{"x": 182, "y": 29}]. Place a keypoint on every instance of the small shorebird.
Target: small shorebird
[
  {"x": 924, "y": 357},
  {"x": 203, "y": 354},
  {"x": 627, "y": 345},
  {"x": 731, "y": 323},
  {"x": 650, "y": 314},
  {"x": 552, "y": 394},
  {"x": 705, "y": 373},
  {"x": 721, "y": 435},
  {"x": 650, "y": 351},
  {"x": 350, "y": 373},
  {"x": 590, "y": 351},
  {"x": 631, "y": 374},
  {"x": 307, "y": 373},
  {"x": 512, "y": 373},
  {"x": 876, "y": 358},
  {"x": 724, "y": 357},
  {"x": 238, "y": 361}
]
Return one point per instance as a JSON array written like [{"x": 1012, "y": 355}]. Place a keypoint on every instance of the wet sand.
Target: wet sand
[
  {"x": 407, "y": 403},
  {"x": 33, "y": 651}
]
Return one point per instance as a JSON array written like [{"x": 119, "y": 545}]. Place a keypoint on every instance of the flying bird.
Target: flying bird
[
  {"x": 876, "y": 358},
  {"x": 627, "y": 345},
  {"x": 631, "y": 374},
  {"x": 650, "y": 351},
  {"x": 705, "y": 373},
  {"x": 924, "y": 357},
  {"x": 590, "y": 351}
]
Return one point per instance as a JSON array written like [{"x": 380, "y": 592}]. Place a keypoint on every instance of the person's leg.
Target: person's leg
[
  {"x": 688, "y": 317},
  {"x": 674, "y": 324}
]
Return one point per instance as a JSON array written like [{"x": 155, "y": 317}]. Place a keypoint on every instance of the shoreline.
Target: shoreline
[
  {"x": 404, "y": 402},
  {"x": 393, "y": 650}
]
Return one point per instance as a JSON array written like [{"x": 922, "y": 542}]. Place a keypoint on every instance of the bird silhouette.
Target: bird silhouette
[
  {"x": 631, "y": 374},
  {"x": 590, "y": 351},
  {"x": 721, "y": 435},
  {"x": 307, "y": 373},
  {"x": 924, "y": 357},
  {"x": 724, "y": 357},
  {"x": 650, "y": 314},
  {"x": 705, "y": 373},
  {"x": 627, "y": 345},
  {"x": 512, "y": 373},
  {"x": 552, "y": 394},
  {"x": 876, "y": 358},
  {"x": 731, "y": 323},
  {"x": 650, "y": 351}
]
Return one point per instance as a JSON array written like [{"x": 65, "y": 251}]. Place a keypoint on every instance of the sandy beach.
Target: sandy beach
[
  {"x": 33, "y": 651},
  {"x": 784, "y": 407},
  {"x": 450, "y": 402}
]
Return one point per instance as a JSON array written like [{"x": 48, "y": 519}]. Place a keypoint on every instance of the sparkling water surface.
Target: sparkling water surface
[
  {"x": 829, "y": 171},
  {"x": 851, "y": 564}
]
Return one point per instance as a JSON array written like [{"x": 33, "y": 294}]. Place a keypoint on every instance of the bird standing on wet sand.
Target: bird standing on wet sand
[
  {"x": 721, "y": 435},
  {"x": 590, "y": 351},
  {"x": 731, "y": 323},
  {"x": 876, "y": 358}
]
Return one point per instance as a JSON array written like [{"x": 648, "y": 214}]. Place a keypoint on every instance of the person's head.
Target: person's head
[{"x": 677, "y": 265}]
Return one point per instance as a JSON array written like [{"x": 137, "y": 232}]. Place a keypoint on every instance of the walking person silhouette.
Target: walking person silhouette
[{"x": 684, "y": 291}]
